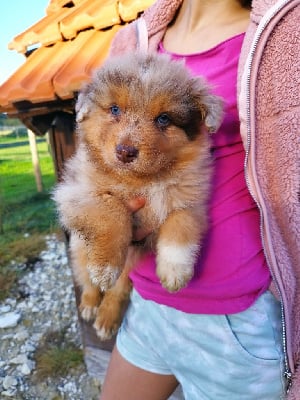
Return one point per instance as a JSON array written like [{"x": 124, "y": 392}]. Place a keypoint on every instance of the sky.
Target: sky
[{"x": 17, "y": 16}]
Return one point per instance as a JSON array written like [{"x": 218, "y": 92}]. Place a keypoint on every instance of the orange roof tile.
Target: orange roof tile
[
  {"x": 72, "y": 40},
  {"x": 94, "y": 49},
  {"x": 129, "y": 10},
  {"x": 90, "y": 15},
  {"x": 54, "y": 6}
]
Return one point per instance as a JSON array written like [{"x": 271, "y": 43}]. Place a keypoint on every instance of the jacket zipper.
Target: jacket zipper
[{"x": 260, "y": 30}]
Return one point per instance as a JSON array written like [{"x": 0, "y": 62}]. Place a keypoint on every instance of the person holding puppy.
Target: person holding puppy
[{"x": 234, "y": 331}]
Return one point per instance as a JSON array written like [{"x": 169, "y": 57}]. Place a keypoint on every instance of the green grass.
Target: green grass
[
  {"x": 26, "y": 216},
  {"x": 56, "y": 355},
  {"x": 24, "y": 210}
]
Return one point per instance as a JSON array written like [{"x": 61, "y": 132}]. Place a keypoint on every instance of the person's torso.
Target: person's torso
[{"x": 231, "y": 271}]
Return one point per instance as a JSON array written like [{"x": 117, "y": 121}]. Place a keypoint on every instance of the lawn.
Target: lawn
[
  {"x": 26, "y": 216},
  {"x": 16, "y": 172}
]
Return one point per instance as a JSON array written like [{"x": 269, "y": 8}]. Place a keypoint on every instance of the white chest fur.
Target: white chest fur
[{"x": 157, "y": 195}]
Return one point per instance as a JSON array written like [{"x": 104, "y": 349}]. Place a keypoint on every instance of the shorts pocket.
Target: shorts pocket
[{"x": 255, "y": 332}]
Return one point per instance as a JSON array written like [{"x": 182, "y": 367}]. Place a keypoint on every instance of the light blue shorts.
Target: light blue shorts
[{"x": 228, "y": 357}]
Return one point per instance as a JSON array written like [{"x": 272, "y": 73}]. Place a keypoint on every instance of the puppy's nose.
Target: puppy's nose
[{"x": 125, "y": 153}]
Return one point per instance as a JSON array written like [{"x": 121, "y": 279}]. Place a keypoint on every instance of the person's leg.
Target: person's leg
[{"x": 124, "y": 381}]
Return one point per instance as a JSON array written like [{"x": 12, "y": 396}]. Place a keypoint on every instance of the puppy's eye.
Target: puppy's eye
[
  {"x": 163, "y": 120},
  {"x": 115, "y": 110}
]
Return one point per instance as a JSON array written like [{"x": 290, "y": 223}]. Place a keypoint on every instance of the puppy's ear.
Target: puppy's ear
[
  {"x": 210, "y": 105},
  {"x": 83, "y": 104},
  {"x": 213, "y": 112}
]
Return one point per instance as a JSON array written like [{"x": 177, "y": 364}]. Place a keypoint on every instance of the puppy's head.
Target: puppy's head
[{"x": 139, "y": 111}]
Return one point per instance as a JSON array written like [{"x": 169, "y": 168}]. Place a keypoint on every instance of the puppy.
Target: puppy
[{"x": 143, "y": 126}]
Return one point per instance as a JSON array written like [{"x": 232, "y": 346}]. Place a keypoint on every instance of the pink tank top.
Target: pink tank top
[{"x": 232, "y": 271}]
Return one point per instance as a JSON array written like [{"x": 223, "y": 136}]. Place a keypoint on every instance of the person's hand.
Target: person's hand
[{"x": 134, "y": 205}]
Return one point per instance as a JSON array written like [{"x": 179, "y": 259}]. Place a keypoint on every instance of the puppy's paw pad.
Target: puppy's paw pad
[{"x": 103, "y": 277}]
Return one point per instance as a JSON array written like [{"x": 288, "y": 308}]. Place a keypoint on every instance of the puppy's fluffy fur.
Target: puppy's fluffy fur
[{"x": 142, "y": 125}]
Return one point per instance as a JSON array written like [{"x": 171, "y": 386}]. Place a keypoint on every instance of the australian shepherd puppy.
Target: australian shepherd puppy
[{"x": 143, "y": 126}]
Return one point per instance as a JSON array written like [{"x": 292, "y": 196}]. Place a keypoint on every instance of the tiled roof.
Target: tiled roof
[{"x": 71, "y": 41}]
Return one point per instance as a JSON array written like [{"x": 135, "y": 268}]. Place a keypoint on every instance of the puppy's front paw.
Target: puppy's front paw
[
  {"x": 103, "y": 277},
  {"x": 175, "y": 265},
  {"x": 174, "y": 277}
]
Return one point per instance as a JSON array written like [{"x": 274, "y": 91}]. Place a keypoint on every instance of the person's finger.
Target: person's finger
[{"x": 135, "y": 204}]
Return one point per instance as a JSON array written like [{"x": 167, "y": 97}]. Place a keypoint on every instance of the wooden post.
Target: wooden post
[{"x": 35, "y": 160}]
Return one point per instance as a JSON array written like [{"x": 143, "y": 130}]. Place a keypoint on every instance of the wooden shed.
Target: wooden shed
[{"x": 61, "y": 51}]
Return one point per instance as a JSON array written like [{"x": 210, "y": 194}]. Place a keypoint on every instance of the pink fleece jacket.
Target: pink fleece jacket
[{"x": 269, "y": 99}]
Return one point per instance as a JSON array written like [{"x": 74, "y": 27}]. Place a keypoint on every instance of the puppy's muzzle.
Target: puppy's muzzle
[{"x": 126, "y": 153}]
